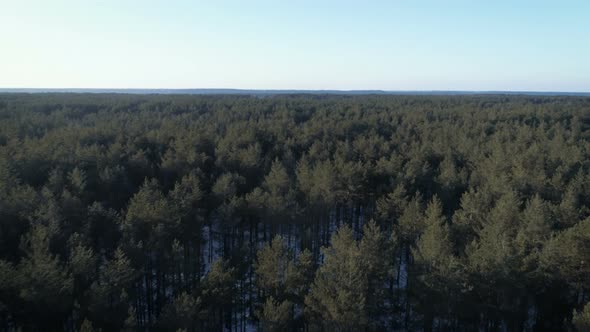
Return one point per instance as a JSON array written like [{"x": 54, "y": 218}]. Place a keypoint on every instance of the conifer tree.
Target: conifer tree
[
  {"x": 182, "y": 313},
  {"x": 8, "y": 288},
  {"x": 434, "y": 266},
  {"x": 86, "y": 326},
  {"x": 279, "y": 194},
  {"x": 411, "y": 221},
  {"x": 77, "y": 180},
  {"x": 108, "y": 294},
  {"x": 566, "y": 255},
  {"x": 390, "y": 207},
  {"x": 275, "y": 315},
  {"x": 44, "y": 283},
  {"x": 471, "y": 217},
  {"x": 217, "y": 292},
  {"x": 282, "y": 277},
  {"x": 581, "y": 319},
  {"x": 338, "y": 295},
  {"x": 130, "y": 323},
  {"x": 534, "y": 231},
  {"x": 186, "y": 195},
  {"x": 273, "y": 263},
  {"x": 434, "y": 248},
  {"x": 374, "y": 247}
]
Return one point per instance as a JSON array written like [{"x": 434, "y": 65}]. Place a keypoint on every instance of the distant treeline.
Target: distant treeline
[{"x": 295, "y": 212}]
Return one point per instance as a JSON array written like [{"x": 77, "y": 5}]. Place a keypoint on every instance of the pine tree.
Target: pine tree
[
  {"x": 227, "y": 186},
  {"x": 275, "y": 315},
  {"x": 434, "y": 265},
  {"x": 318, "y": 183},
  {"x": 77, "y": 180},
  {"x": 374, "y": 249},
  {"x": 534, "y": 231},
  {"x": 277, "y": 182},
  {"x": 55, "y": 181},
  {"x": 390, "y": 207},
  {"x": 338, "y": 294},
  {"x": 434, "y": 250},
  {"x": 451, "y": 179},
  {"x": 8, "y": 289},
  {"x": 44, "y": 283},
  {"x": 411, "y": 221},
  {"x": 467, "y": 221},
  {"x": 581, "y": 319},
  {"x": 217, "y": 292},
  {"x": 279, "y": 194},
  {"x": 82, "y": 264},
  {"x": 282, "y": 277},
  {"x": 299, "y": 277},
  {"x": 506, "y": 212},
  {"x": 181, "y": 313},
  {"x": 493, "y": 265},
  {"x": 130, "y": 323},
  {"x": 273, "y": 262},
  {"x": 148, "y": 207},
  {"x": 86, "y": 326},
  {"x": 568, "y": 211},
  {"x": 566, "y": 255},
  {"x": 186, "y": 195},
  {"x": 494, "y": 253},
  {"x": 7, "y": 176},
  {"x": 108, "y": 294}
]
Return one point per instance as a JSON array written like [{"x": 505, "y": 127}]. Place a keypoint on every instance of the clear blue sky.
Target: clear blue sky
[{"x": 389, "y": 45}]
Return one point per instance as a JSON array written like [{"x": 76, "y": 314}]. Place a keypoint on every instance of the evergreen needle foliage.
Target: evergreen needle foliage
[{"x": 294, "y": 213}]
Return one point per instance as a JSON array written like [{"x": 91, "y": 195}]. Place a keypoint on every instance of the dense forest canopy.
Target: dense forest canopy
[{"x": 295, "y": 212}]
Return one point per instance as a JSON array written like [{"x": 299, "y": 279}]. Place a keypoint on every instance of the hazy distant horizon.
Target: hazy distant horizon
[{"x": 238, "y": 91}]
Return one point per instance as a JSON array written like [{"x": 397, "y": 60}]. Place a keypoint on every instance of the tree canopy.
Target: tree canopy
[{"x": 294, "y": 212}]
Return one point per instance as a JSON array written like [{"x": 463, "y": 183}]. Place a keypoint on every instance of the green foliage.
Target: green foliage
[
  {"x": 411, "y": 221},
  {"x": 113, "y": 208},
  {"x": 346, "y": 291},
  {"x": 227, "y": 186},
  {"x": 534, "y": 232},
  {"x": 86, "y": 326},
  {"x": 77, "y": 180},
  {"x": 317, "y": 182},
  {"x": 494, "y": 253},
  {"x": 434, "y": 250},
  {"x": 82, "y": 261},
  {"x": 391, "y": 206},
  {"x": 566, "y": 255},
  {"x": 187, "y": 194},
  {"x": 148, "y": 222},
  {"x": 375, "y": 247},
  {"x": 338, "y": 293},
  {"x": 148, "y": 205},
  {"x": 436, "y": 269},
  {"x": 218, "y": 285},
  {"x": 280, "y": 195},
  {"x": 44, "y": 283},
  {"x": 472, "y": 216},
  {"x": 130, "y": 323},
  {"x": 182, "y": 313},
  {"x": 283, "y": 280},
  {"x": 108, "y": 298},
  {"x": 274, "y": 268},
  {"x": 581, "y": 319},
  {"x": 274, "y": 315}
]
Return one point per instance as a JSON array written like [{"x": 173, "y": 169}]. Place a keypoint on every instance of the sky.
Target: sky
[{"x": 518, "y": 45}]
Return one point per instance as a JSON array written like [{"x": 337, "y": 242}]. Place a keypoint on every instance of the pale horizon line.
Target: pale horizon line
[{"x": 295, "y": 90}]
